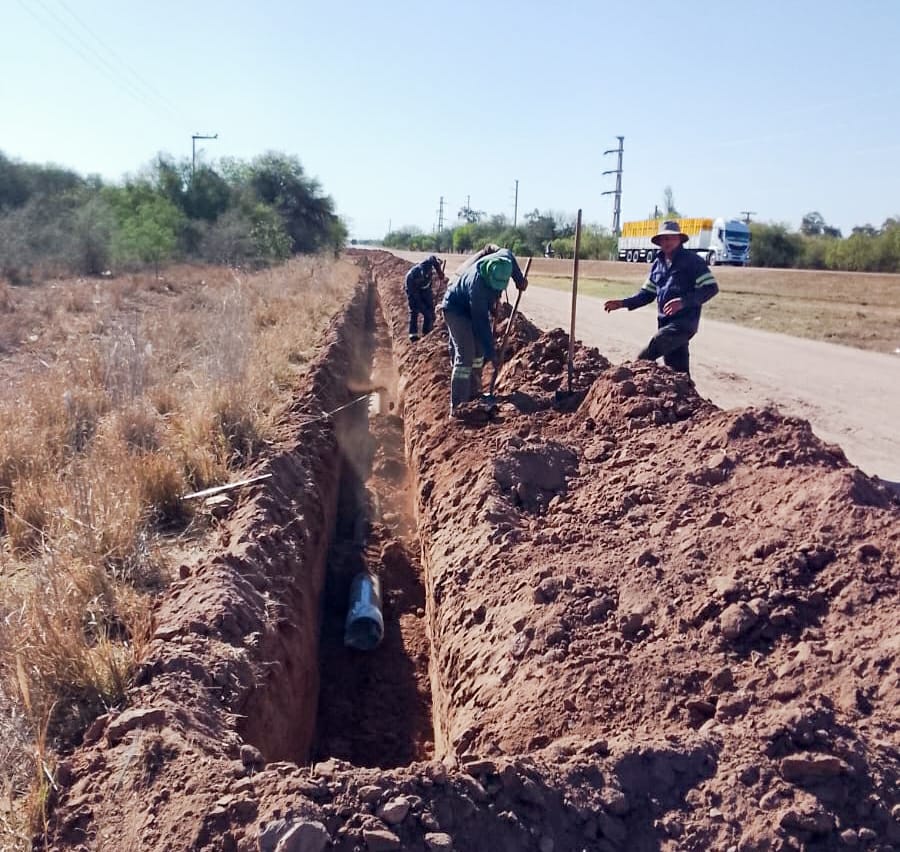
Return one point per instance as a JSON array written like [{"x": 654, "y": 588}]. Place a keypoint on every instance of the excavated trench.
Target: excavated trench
[
  {"x": 368, "y": 708},
  {"x": 375, "y": 706}
]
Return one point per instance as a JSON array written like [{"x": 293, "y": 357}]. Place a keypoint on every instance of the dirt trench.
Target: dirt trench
[
  {"x": 621, "y": 621},
  {"x": 375, "y": 707}
]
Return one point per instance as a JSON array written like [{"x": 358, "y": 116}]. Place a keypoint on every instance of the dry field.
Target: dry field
[
  {"x": 117, "y": 397},
  {"x": 854, "y": 309}
]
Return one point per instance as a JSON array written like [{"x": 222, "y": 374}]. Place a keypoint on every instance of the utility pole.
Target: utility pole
[
  {"x": 516, "y": 206},
  {"x": 747, "y": 214},
  {"x": 440, "y": 226},
  {"x": 617, "y": 192},
  {"x": 194, "y": 139}
]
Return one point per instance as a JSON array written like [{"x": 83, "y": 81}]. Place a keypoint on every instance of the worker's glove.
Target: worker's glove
[{"x": 523, "y": 286}]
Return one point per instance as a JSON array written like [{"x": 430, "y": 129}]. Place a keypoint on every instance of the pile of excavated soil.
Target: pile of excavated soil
[
  {"x": 653, "y": 625},
  {"x": 703, "y": 601}
]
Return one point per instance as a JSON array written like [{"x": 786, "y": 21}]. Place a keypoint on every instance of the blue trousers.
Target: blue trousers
[
  {"x": 467, "y": 358},
  {"x": 671, "y": 344},
  {"x": 421, "y": 301}
]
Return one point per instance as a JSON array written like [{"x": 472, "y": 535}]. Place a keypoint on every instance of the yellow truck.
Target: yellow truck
[{"x": 717, "y": 241}]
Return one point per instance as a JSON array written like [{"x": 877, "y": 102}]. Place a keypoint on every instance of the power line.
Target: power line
[
  {"x": 141, "y": 81},
  {"x": 58, "y": 28},
  {"x": 747, "y": 214}
]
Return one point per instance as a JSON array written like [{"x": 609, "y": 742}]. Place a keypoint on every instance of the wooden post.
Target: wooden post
[{"x": 574, "y": 301}]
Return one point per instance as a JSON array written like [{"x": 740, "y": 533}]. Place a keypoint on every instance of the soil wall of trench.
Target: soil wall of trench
[{"x": 647, "y": 624}]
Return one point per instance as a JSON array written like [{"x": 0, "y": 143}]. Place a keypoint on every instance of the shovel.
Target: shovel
[
  {"x": 560, "y": 395},
  {"x": 488, "y": 398}
]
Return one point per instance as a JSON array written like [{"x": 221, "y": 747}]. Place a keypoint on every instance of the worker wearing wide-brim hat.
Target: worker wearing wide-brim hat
[
  {"x": 467, "y": 308},
  {"x": 680, "y": 282}
]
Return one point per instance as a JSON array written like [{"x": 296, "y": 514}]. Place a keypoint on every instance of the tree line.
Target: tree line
[
  {"x": 529, "y": 238},
  {"x": 55, "y": 221},
  {"x": 816, "y": 245}
]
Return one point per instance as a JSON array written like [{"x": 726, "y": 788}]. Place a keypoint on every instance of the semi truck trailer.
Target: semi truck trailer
[{"x": 722, "y": 241}]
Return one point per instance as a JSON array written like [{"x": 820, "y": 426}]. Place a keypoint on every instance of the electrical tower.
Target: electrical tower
[
  {"x": 516, "y": 205},
  {"x": 617, "y": 192},
  {"x": 194, "y": 139},
  {"x": 747, "y": 214},
  {"x": 440, "y": 212}
]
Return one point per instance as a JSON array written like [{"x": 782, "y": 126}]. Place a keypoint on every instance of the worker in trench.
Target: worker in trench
[
  {"x": 680, "y": 282},
  {"x": 420, "y": 296},
  {"x": 467, "y": 306}
]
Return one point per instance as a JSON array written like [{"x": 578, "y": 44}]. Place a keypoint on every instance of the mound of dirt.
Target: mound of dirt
[{"x": 695, "y": 583}]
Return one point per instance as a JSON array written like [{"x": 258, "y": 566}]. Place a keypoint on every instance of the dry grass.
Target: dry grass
[
  {"x": 852, "y": 308},
  {"x": 117, "y": 397}
]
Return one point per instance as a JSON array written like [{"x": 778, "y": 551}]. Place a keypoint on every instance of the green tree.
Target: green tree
[
  {"x": 279, "y": 181},
  {"x": 403, "y": 237},
  {"x": 464, "y": 238},
  {"x": 814, "y": 225},
  {"x": 540, "y": 228},
  {"x": 149, "y": 231},
  {"x": 271, "y": 240},
  {"x": 92, "y": 230},
  {"x": 774, "y": 246},
  {"x": 14, "y": 189}
]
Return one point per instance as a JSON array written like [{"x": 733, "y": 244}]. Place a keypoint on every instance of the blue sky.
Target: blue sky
[{"x": 776, "y": 107}]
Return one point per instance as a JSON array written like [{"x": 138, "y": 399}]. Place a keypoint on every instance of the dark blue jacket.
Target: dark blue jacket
[
  {"x": 687, "y": 278},
  {"x": 471, "y": 297},
  {"x": 420, "y": 276}
]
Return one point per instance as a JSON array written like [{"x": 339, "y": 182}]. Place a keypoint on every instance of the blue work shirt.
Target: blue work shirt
[
  {"x": 687, "y": 278},
  {"x": 420, "y": 276},
  {"x": 471, "y": 297}
]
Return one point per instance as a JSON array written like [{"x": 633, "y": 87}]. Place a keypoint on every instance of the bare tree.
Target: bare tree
[{"x": 669, "y": 203}]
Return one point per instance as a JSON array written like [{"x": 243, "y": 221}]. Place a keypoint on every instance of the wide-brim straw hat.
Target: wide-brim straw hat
[{"x": 669, "y": 228}]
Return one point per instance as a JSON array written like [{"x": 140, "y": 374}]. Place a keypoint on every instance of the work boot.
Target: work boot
[
  {"x": 460, "y": 386},
  {"x": 413, "y": 338},
  {"x": 475, "y": 384},
  {"x": 477, "y": 367}
]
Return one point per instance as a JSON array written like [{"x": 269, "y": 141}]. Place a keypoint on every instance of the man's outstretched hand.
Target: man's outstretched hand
[{"x": 613, "y": 305}]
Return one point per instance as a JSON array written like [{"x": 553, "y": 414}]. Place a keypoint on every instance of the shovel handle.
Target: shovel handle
[{"x": 509, "y": 324}]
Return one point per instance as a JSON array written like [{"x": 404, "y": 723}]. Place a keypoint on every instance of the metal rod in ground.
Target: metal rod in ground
[{"x": 571, "y": 368}]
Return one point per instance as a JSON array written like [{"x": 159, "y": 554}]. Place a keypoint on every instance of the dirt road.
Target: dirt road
[{"x": 848, "y": 395}]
